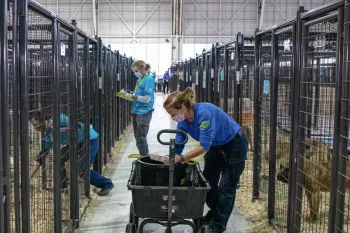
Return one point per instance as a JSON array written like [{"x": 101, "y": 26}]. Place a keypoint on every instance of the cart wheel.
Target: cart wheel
[
  {"x": 130, "y": 228},
  {"x": 205, "y": 229},
  {"x": 132, "y": 218}
]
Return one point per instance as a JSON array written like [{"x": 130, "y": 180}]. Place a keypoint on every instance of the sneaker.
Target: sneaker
[{"x": 105, "y": 191}]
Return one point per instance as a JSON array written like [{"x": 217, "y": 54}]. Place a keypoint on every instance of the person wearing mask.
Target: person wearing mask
[
  {"x": 166, "y": 78},
  {"x": 225, "y": 146},
  {"x": 45, "y": 124},
  {"x": 142, "y": 107}
]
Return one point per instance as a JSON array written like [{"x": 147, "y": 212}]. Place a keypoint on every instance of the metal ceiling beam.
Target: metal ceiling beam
[
  {"x": 233, "y": 18},
  {"x": 161, "y": 36},
  {"x": 121, "y": 18},
  {"x": 205, "y": 16},
  {"x": 76, "y": 10},
  {"x": 273, "y": 2},
  {"x": 149, "y": 16}
]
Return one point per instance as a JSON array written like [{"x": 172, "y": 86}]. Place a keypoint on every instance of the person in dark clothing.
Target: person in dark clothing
[
  {"x": 166, "y": 79},
  {"x": 225, "y": 145}
]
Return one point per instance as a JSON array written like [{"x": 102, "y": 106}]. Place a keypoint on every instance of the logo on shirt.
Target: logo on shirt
[{"x": 204, "y": 124}]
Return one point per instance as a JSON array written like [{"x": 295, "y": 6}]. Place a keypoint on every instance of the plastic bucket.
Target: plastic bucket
[{"x": 154, "y": 173}]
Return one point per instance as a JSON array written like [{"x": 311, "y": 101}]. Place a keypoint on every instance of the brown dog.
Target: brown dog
[
  {"x": 317, "y": 174},
  {"x": 313, "y": 147},
  {"x": 249, "y": 133}
]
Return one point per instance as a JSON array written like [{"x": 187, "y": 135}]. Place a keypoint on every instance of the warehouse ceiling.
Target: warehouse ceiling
[{"x": 197, "y": 21}]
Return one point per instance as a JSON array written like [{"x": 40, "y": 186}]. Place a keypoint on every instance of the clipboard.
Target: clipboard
[{"x": 118, "y": 94}]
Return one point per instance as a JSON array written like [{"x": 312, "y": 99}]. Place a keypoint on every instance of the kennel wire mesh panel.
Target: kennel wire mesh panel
[
  {"x": 83, "y": 119},
  {"x": 66, "y": 118},
  {"x": 113, "y": 119},
  {"x": 216, "y": 76},
  {"x": 103, "y": 77},
  {"x": 193, "y": 73},
  {"x": 284, "y": 61},
  {"x": 263, "y": 131},
  {"x": 247, "y": 84},
  {"x": 40, "y": 89},
  {"x": 174, "y": 78},
  {"x": 221, "y": 75},
  {"x": 316, "y": 126},
  {"x": 109, "y": 103},
  {"x": 210, "y": 73},
  {"x": 199, "y": 78},
  {"x": 181, "y": 76},
  {"x": 131, "y": 80},
  {"x": 185, "y": 75},
  {"x": 5, "y": 201},
  {"x": 13, "y": 116},
  {"x": 118, "y": 101},
  {"x": 246, "y": 102},
  {"x": 122, "y": 83},
  {"x": 231, "y": 52},
  {"x": 343, "y": 208},
  {"x": 205, "y": 73},
  {"x": 93, "y": 79},
  {"x": 107, "y": 116}
]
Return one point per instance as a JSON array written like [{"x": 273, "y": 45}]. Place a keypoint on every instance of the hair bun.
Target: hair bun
[{"x": 189, "y": 93}]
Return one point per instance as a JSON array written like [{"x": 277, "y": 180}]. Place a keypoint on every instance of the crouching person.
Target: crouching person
[
  {"x": 96, "y": 179},
  {"x": 45, "y": 124}
]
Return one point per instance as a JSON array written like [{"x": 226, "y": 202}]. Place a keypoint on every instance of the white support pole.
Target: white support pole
[
  {"x": 94, "y": 16},
  {"x": 262, "y": 11}
]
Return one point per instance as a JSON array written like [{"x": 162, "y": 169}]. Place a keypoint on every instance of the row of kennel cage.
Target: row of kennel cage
[
  {"x": 180, "y": 76},
  {"x": 221, "y": 75},
  {"x": 174, "y": 81},
  {"x": 301, "y": 121},
  {"x": 110, "y": 114},
  {"x": 68, "y": 81}
]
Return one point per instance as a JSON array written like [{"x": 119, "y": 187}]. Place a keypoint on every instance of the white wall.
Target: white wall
[
  {"x": 157, "y": 55},
  {"x": 190, "y": 50}
]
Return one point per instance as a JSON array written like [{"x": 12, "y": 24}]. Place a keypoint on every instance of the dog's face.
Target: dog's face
[{"x": 283, "y": 174}]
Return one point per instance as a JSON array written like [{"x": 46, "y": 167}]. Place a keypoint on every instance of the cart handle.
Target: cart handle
[{"x": 172, "y": 131}]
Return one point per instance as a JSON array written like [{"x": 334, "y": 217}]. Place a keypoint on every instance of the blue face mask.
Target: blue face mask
[{"x": 138, "y": 74}]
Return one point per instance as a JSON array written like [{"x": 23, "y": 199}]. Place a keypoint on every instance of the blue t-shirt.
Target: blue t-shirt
[
  {"x": 166, "y": 77},
  {"x": 211, "y": 126},
  {"x": 146, "y": 88},
  {"x": 64, "y": 123}
]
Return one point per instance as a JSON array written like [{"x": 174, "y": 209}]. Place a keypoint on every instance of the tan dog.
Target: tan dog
[{"x": 317, "y": 174}]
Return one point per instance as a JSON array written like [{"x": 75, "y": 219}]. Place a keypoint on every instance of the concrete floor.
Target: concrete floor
[{"x": 111, "y": 213}]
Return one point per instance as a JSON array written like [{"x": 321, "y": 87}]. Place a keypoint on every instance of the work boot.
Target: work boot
[
  {"x": 215, "y": 231},
  {"x": 206, "y": 219},
  {"x": 105, "y": 191}
]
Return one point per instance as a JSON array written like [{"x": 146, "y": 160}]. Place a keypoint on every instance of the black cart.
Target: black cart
[
  {"x": 159, "y": 85},
  {"x": 152, "y": 203}
]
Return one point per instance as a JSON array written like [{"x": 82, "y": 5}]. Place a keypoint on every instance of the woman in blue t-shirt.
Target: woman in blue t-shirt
[
  {"x": 225, "y": 146},
  {"x": 142, "y": 107}
]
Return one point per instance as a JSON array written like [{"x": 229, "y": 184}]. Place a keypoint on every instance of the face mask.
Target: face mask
[
  {"x": 138, "y": 74},
  {"x": 179, "y": 117}
]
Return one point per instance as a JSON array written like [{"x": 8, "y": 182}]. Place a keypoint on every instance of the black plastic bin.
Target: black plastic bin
[
  {"x": 151, "y": 201},
  {"x": 154, "y": 173}
]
